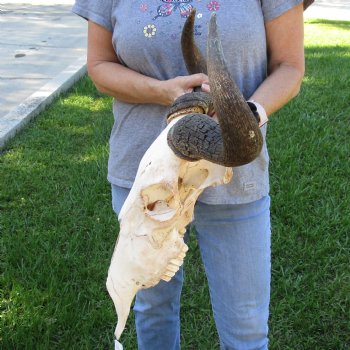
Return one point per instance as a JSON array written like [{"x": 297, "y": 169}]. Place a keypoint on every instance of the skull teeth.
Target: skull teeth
[
  {"x": 174, "y": 265},
  {"x": 182, "y": 255},
  {"x": 176, "y": 262},
  {"x": 166, "y": 278},
  {"x": 173, "y": 268},
  {"x": 169, "y": 273}
]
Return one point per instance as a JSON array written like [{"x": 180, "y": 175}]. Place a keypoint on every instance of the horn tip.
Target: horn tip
[{"x": 212, "y": 23}]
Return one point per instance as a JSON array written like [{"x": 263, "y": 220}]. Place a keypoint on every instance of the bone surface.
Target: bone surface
[{"x": 153, "y": 221}]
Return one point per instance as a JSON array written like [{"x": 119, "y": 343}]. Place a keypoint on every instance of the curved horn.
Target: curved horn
[
  {"x": 237, "y": 139},
  {"x": 240, "y": 131},
  {"x": 195, "y": 62}
]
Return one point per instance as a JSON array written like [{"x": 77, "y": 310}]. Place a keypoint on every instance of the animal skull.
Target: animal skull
[
  {"x": 173, "y": 173},
  {"x": 153, "y": 221}
]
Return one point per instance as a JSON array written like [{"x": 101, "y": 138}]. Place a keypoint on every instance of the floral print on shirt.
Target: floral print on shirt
[
  {"x": 213, "y": 6},
  {"x": 179, "y": 7},
  {"x": 143, "y": 7},
  {"x": 171, "y": 6},
  {"x": 149, "y": 30}
]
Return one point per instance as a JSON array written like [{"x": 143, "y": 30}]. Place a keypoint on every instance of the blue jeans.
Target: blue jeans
[{"x": 234, "y": 242}]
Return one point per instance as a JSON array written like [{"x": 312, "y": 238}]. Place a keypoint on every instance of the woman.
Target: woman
[{"x": 134, "y": 55}]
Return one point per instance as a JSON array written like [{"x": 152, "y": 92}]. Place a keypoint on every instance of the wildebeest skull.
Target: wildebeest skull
[{"x": 192, "y": 153}]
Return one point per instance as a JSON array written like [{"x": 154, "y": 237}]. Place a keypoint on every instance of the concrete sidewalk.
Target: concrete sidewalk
[
  {"x": 43, "y": 52},
  {"x": 329, "y": 9}
]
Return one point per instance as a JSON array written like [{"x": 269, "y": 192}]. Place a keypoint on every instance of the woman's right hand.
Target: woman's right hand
[
  {"x": 175, "y": 87},
  {"x": 124, "y": 84}
]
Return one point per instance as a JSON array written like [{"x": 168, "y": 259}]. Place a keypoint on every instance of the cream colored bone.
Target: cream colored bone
[{"x": 153, "y": 221}]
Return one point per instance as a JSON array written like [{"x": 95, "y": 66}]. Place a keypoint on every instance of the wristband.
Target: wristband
[{"x": 259, "y": 112}]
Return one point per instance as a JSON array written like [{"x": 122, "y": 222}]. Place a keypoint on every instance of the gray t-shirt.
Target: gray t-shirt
[{"x": 146, "y": 38}]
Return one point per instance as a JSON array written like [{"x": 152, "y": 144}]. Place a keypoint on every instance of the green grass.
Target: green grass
[
  {"x": 309, "y": 144},
  {"x": 58, "y": 230}
]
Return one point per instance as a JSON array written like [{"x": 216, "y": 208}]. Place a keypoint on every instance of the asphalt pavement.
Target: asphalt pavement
[{"x": 43, "y": 53}]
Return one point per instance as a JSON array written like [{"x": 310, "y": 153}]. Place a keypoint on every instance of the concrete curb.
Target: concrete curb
[{"x": 18, "y": 117}]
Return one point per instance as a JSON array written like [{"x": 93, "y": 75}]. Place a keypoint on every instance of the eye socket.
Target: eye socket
[{"x": 159, "y": 202}]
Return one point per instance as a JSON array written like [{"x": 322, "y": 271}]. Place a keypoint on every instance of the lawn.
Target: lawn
[{"x": 58, "y": 230}]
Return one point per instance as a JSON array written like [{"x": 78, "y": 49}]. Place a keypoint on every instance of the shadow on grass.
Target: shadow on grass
[
  {"x": 309, "y": 147},
  {"x": 326, "y": 86},
  {"x": 58, "y": 229},
  {"x": 343, "y": 25}
]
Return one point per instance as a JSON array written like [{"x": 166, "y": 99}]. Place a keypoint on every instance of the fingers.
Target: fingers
[
  {"x": 205, "y": 87},
  {"x": 180, "y": 85},
  {"x": 198, "y": 79}
]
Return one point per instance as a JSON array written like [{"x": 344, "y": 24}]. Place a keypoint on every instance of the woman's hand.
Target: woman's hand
[
  {"x": 124, "y": 84},
  {"x": 175, "y": 87},
  {"x": 205, "y": 87},
  {"x": 286, "y": 65}
]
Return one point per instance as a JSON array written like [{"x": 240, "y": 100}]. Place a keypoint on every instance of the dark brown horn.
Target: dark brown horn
[
  {"x": 307, "y": 3},
  {"x": 240, "y": 131},
  {"x": 237, "y": 139},
  {"x": 195, "y": 62}
]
